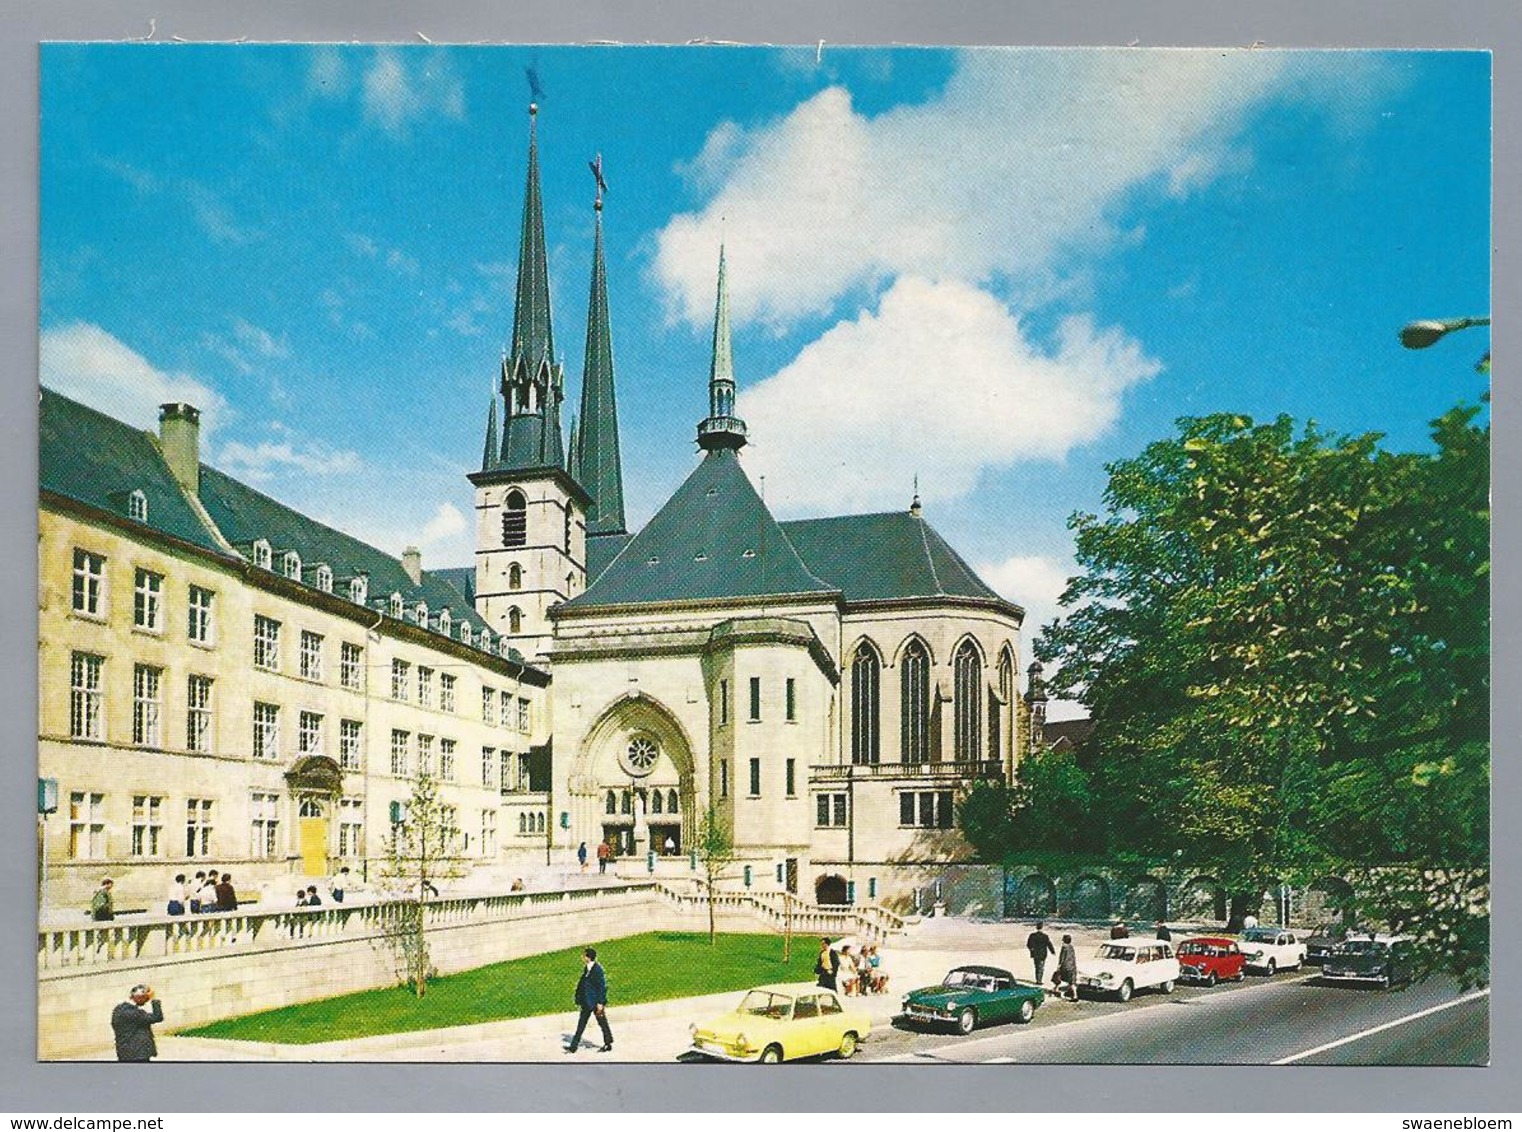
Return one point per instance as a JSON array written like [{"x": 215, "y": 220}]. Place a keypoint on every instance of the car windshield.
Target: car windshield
[
  {"x": 1260, "y": 935},
  {"x": 972, "y": 979},
  {"x": 1362, "y": 947},
  {"x": 1116, "y": 951},
  {"x": 1330, "y": 929},
  {"x": 1202, "y": 949},
  {"x": 765, "y": 1004}
]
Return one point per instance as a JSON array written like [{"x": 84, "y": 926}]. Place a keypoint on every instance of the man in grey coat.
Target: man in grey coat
[{"x": 132, "y": 1023}]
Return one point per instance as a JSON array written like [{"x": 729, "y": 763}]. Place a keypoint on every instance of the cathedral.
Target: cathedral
[{"x": 226, "y": 681}]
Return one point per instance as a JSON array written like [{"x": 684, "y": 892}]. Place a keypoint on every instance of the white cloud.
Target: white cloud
[
  {"x": 1024, "y": 154},
  {"x": 263, "y": 461},
  {"x": 82, "y": 361},
  {"x": 328, "y": 75},
  {"x": 939, "y": 381},
  {"x": 395, "y": 94},
  {"x": 446, "y": 521},
  {"x": 215, "y": 217},
  {"x": 261, "y": 341},
  {"x": 362, "y": 245},
  {"x": 1031, "y": 580}
]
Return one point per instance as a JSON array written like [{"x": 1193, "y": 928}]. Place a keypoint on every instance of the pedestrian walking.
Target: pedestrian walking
[
  {"x": 132, "y": 1024},
  {"x": 581, "y": 856},
  {"x": 604, "y": 851},
  {"x": 827, "y": 966},
  {"x": 102, "y": 906},
  {"x": 1039, "y": 944},
  {"x": 592, "y": 998},
  {"x": 338, "y": 884},
  {"x": 177, "y": 896},
  {"x": 1065, "y": 981},
  {"x": 1163, "y": 932}
]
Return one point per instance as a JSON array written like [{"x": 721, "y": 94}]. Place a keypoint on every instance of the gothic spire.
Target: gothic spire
[
  {"x": 722, "y": 429},
  {"x": 491, "y": 453},
  {"x": 596, "y": 444}
]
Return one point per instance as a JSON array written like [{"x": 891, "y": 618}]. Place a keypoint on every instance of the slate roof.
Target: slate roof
[
  {"x": 601, "y": 550},
  {"x": 892, "y": 555},
  {"x": 98, "y": 460},
  {"x": 714, "y": 538}
]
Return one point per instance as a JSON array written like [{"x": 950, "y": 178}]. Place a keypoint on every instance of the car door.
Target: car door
[
  {"x": 1169, "y": 962},
  {"x": 831, "y": 1022},
  {"x": 804, "y": 1035}
]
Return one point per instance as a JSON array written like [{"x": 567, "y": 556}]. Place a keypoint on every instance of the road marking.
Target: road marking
[{"x": 1377, "y": 1029}]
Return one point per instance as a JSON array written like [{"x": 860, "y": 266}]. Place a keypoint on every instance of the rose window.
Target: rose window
[{"x": 641, "y": 754}]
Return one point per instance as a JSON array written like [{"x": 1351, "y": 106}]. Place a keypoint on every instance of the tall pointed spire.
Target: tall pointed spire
[
  {"x": 598, "y": 468},
  {"x": 492, "y": 452},
  {"x": 532, "y": 380},
  {"x": 722, "y": 429}
]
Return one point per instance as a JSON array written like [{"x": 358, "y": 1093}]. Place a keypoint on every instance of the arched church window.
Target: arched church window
[
  {"x": 611, "y": 803},
  {"x": 866, "y": 673},
  {"x": 515, "y": 519},
  {"x": 1002, "y": 707},
  {"x": 515, "y": 577},
  {"x": 626, "y": 802},
  {"x": 671, "y": 806},
  {"x": 515, "y": 620},
  {"x": 539, "y": 822},
  {"x": 968, "y": 696},
  {"x": 657, "y": 801},
  {"x": 522, "y": 823},
  {"x": 914, "y": 703}
]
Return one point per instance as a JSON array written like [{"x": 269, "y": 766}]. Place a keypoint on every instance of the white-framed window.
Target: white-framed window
[
  {"x": 198, "y": 714},
  {"x": 266, "y": 643},
  {"x": 446, "y": 692},
  {"x": 488, "y": 833},
  {"x": 147, "y": 705},
  {"x": 523, "y": 773},
  {"x": 485, "y": 641},
  {"x": 290, "y": 565},
  {"x": 309, "y": 733},
  {"x": 137, "y": 506},
  {"x": 525, "y": 716},
  {"x": 199, "y": 626},
  {"x": 830, "y": 810},
  {"x": 89, "y": 583},
  {"x": 446, "y": 759},
  {"x": 505, "y": 771},
  {"x": 325, "y": 578},
  {"x": 420, "y": 614},
  {"x": 86, "y": 704},
  {"x": 394, "y": 606},
  {"x": 489, "y": 706},
  {"x": 264, "y": 824},
  {"x": 351, "y": 827},
  {"x": 488, "y": 766},
  {"x": 351, "y": 671},
  {"x": 359, "y": 590},
  {"x": 198, "y": 827},
  {"x": 87, "y": 826},
  {"x": 507, "y": 710},
  {"x": 465, "y": 632},
  {"x": 350, "y": 735},
  {"x": 926, "y": 809},
  {"x": 425, "y": 754},
  {"x": 400, "y": 742},
  {"x": 266, "y": 731},
  {"x": 148, "y": 601},
  {"x": 147, "y": 825},
  {"x": 400, "y": 676},
  {"x": 311, "y": 655},
  {"x": 424, "y": 686},
  {"x": 262, "y": 553},
  {"x": 449, "y": 827},
  {"x": 444, "y": 621}
]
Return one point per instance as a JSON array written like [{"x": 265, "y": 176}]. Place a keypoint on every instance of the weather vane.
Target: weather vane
[
  {"x": 602, "y": 186},
  {"x": 535, "y": 91}
]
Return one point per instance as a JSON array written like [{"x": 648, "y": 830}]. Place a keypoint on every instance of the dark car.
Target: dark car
[
  {"x": 1384, "y": 960},
  {"x": 970, "y": 996},
  {"x": 1327, "y": 939}
]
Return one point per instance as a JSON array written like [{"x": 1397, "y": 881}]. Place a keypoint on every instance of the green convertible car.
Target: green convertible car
[{"x": 970, "y": 996}]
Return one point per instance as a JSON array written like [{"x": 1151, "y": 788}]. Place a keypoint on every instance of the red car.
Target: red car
[{"x": 1209, "y": 959}]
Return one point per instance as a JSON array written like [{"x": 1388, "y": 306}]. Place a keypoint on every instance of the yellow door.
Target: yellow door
[{"x": 314, "y": 846}]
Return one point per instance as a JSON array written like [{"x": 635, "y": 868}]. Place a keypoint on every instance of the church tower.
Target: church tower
[{"x": 530, "y": 511}]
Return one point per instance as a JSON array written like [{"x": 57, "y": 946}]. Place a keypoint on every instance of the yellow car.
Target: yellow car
[{"x": 782, "y": 1023}]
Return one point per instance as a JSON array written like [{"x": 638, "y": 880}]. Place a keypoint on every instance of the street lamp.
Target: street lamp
[{"x": 1424, "y": 332}]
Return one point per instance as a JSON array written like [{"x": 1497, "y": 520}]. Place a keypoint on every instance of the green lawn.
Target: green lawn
[{"x": 641, "y": 968}]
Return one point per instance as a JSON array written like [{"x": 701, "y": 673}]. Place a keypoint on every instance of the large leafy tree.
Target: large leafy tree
[
  {"x": 1046, "y": 809},
  {"x": 1281, "y": 636}
]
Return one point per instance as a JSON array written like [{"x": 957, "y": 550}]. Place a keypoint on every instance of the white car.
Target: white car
[
  {"x": 1272, "y": 949},
  {"x": 1124, "y": 966}
]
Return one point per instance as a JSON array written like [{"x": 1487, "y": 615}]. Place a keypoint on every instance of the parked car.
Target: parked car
[
  {"x": 1327, "y": 939},
  {"x": 970, "y": 996},
  {"x": 782, "y": 1023},
  {"x": 1124, "y": 966},
  {"x": 1210, "y": 959},
  {"x": 1384, "y": 960},
  {"x": 1272, "y": 949}
]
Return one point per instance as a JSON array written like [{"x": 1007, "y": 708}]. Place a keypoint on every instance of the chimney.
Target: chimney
[
  {"x": 180, "y": 440},
  {"x": 412, "y": 562}
]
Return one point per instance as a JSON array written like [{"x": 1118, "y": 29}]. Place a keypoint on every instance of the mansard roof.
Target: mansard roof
[{"x": 713, "y": 539}]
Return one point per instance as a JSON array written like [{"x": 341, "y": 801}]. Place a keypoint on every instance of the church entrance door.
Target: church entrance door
[{"x": 313, "y": 833}]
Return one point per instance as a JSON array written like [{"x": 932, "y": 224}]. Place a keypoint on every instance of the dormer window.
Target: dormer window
[
  {"x": 421, "y": 614},
  {"x": 485, "y": 639},
  {"x": 325, "y": 578},
  {"x": 394, "y": 606},
  {"x": 137, "y": 506},
  {"x": 465, "y": 632},
  {"x": 357, "y": 588},
  {"x": 290, "y": 565},
  {"x": 262, "y": 554},
  {"x": 444, "y": 621}
]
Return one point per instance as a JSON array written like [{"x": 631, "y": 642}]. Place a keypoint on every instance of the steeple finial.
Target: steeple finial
[
  {"x": 722, "y": 429},
  {"x": 914, "y": 507},
  {"x": 598, "y": 467}
]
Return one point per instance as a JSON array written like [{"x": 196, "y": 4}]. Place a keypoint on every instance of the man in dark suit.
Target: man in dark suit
[
  {"x": 132, "y": 1023},
  {"x": 592, "y": 997}
]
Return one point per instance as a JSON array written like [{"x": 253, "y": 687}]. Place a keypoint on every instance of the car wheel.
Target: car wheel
[
  {"x": 771, "y": 1055},
  {"x": 1027, "y": 1010},
  {"x": 1124, "y": 993},
  {"x": 1210, "y": 979},
  {"x": 847, "y": 1044},
  {"x": 967, "y": 1020},
  {"x": 1167, "y": 988},
  {"x": 1273, "y": 968}
]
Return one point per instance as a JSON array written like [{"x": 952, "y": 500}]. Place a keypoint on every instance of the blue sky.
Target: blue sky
[{"x": 995, "y": 269}]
